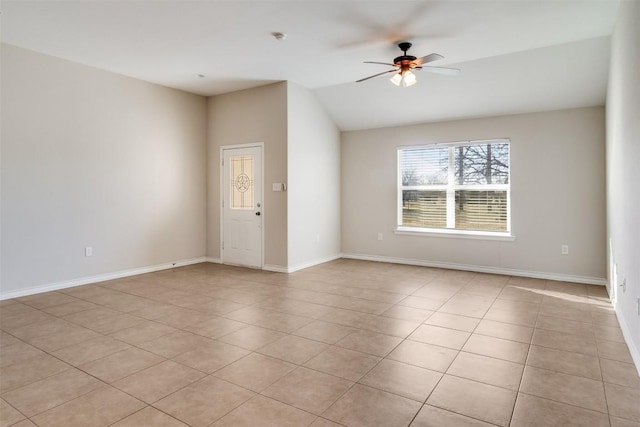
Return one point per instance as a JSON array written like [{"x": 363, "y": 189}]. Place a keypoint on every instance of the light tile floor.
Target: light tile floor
[{"x": 348, "y": 342}]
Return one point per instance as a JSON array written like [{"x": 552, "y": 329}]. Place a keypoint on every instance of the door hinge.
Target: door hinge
[{"x": 223, "y": 245}]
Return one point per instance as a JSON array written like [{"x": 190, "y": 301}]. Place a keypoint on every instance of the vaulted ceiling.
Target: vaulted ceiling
[{"x": 515, "y": 55}]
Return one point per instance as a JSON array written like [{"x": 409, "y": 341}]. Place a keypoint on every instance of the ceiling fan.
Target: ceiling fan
[{"x": 405, "y": 64}]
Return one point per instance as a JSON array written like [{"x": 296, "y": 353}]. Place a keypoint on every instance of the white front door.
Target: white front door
[{"x": 242, "y": 206}]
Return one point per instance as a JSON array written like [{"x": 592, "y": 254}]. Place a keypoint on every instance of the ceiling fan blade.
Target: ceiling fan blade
[
  {"x": 442, "y": 70},
  {"x": 429, "y": 58},
  {"x": 376, "y": 75},
  {"x": 381, "y": 63}
]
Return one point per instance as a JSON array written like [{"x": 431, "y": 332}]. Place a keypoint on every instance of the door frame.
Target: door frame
[{"x": 260, "y": 192}]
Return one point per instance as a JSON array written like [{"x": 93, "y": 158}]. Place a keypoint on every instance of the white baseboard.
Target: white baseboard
[
  {"x": 275, "y": 268},
  {"x": 314, "y": 262},
  {"x": 481, "y": 269},
  {"x": 633, "y": 349},
  {"x": 281, "y": 269},
  {"x": 291, "y": 269},
  {"x": 100, "y": 278}
]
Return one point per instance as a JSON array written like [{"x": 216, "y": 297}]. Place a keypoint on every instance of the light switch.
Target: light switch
[{"x": 277, "y": 186}]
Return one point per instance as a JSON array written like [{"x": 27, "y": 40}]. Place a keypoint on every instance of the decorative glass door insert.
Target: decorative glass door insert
[{"x": 242, "y": 182}]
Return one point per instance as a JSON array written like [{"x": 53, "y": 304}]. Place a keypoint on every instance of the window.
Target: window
[{"x": 460, "y": 187}]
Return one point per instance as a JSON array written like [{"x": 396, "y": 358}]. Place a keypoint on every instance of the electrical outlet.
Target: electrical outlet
[
  {"x": 88, "y": 251},
  {"x": 565, "y": 249},
  {"x": 379, "y": 236},
  {"x": 623, "y": 285}
]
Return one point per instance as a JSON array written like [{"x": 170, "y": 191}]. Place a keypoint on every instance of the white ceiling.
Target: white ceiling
[{"x": 515, "y": 55}]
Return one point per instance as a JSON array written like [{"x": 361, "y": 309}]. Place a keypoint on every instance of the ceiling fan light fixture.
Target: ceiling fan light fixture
[
  {"x": 405, "y": 64},
  {"x": 396, "y": 79},
  {"x": 409, "y": 79}
]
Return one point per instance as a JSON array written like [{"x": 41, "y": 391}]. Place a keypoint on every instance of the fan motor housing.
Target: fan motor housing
[{"x": 407, "y": 58}]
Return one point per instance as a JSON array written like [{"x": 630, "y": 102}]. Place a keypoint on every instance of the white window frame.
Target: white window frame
[{"x": 451, "y": 187}]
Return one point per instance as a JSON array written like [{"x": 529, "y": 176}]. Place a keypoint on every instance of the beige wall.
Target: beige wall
[
  {"x": 557, "y": 195},
  {"x": 247, "y": 116},
  {"x": 623, "y": 184},
  {"x": 314, "y": 180},
  {"x": 91, "y": 158}
]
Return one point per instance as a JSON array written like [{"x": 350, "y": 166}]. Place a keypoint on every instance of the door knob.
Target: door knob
[{"x": 257, "y": 213}]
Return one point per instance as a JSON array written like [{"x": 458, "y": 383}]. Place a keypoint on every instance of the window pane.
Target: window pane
[
  {"x": 481, "y": 210},
  {"x": 482, "y": 164},
  {"x": 424, "y": 208},
  {"x": 242, "y": 182},
  {"x": 424, "y": 166}
]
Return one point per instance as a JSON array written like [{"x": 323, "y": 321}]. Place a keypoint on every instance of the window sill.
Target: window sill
[{"x": 454, "y": 234}]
